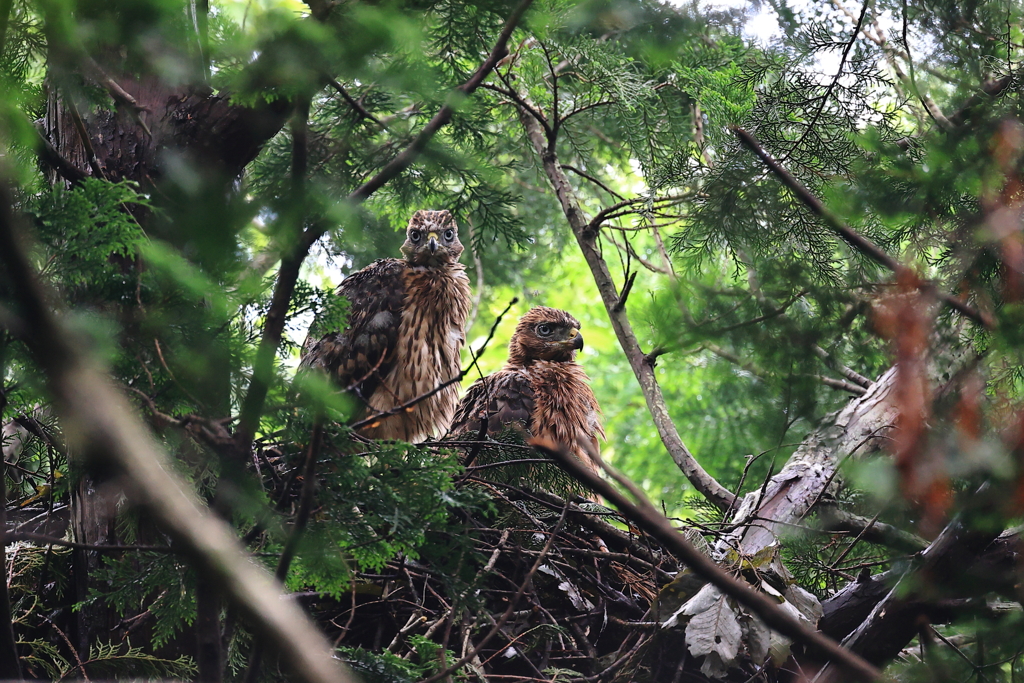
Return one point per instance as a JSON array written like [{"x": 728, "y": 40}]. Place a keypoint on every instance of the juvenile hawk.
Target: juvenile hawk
[
  {"x": 541, "y": 388},
  {"x": 405, "y": 328}
]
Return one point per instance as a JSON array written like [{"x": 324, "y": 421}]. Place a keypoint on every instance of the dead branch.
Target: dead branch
[
  {"x": 835, "y": 519},
  {"x": 799, "y": 485}
]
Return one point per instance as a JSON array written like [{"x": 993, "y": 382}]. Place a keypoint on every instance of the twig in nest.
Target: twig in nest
[{"x": 508, "y": 611}]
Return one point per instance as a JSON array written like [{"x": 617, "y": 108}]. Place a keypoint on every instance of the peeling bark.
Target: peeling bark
[{"x": 859, "y": 428}]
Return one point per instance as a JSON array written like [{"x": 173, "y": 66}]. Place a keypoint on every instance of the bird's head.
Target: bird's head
[
  {"x": 432, "y": 239},
  {"x": 545, "y": 334}
]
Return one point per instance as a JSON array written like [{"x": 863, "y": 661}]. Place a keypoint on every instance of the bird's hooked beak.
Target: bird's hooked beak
[
  {"x": 432, "y": 242},
  {"x": 576, "y": 339}
]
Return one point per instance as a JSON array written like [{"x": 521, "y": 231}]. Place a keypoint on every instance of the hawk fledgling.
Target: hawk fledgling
[
  {"x": 405, "y": 328},
  {"x": 541, "y": 388}
]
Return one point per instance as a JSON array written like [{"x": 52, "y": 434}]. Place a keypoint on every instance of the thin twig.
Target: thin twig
[
  {"x": 851, "y": 236},
  {"x": 458, "y": 378},
  {"x": 508, "y": 611},
  {"x": 354, "y": 103}
]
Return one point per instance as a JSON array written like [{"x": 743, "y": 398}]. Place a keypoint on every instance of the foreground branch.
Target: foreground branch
[
  {"x": 101, "y": 426},
  {"x": 644, "y": 515}
]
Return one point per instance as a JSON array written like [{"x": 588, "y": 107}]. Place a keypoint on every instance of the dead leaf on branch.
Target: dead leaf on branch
[
  {"x": 715, "y": 634},
  {"x": 726, "y": 635}
]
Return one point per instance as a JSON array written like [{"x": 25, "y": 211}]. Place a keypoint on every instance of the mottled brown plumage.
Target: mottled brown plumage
[
  {"x": 541, "y": 389},
  {"x": 405, "y": 328}
]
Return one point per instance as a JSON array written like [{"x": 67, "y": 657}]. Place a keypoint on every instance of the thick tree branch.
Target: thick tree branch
[
  {"x": 846, "y": 372},
  {"x": 858, "y": 427},
  {"x": 834, "y": 519},
  {"x": 5, "y": 19},
  {"x": 586, "y": 237},
  {"x": 894, "y": 621},
  {"x": 101, "y": 426},
  {"x": 842, "y": 385},
  {"x": 288, "y": 274},
  {"x": 49, "y": 155},
  {"x": 647, "y": 517}
]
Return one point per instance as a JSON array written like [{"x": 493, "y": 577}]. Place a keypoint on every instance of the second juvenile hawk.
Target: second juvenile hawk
[
  {"x": 406, "y": 325},
  {"x": 541, "y": 388}
]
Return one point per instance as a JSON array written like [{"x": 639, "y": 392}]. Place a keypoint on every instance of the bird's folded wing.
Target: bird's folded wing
[
  {"x": 503, "y": 398},
  {"x": 361, "y": 355}
]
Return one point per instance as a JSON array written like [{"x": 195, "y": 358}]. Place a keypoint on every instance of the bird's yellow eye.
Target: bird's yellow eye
[
  {"x": 414, "y": 236},
  {"x": 544, "y": 330}
]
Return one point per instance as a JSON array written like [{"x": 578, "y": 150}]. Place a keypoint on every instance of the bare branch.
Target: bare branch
[
  {"x": 18, "y": 536},
  {"x": 846, "y": 372},
  {"x": 835, "y": 519},
  {"x": 49, "y": 155},
  {"x": 855, "y": 389},
  {"x": 583, "y": 174},
  {"x": 356, "y": 105}
]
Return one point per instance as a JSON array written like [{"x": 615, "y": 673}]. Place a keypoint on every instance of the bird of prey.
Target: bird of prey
[
  {"x": 541, "y": 389},
  {"x": 405, "y": 328}
]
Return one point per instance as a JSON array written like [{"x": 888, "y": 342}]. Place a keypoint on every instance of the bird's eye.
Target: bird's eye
[
  {"x": 414, "y": 235},
  {"x": 449, "y": 234},
  {"x": 544, "y": 330}
]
